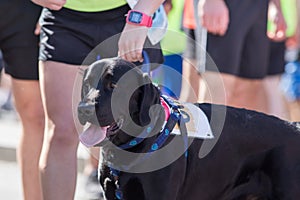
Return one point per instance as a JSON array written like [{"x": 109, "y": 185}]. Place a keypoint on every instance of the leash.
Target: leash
[{"x": 146, "y": 67}]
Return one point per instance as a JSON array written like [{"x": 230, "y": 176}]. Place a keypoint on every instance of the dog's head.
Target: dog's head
[{"x": 116, "y": 99}]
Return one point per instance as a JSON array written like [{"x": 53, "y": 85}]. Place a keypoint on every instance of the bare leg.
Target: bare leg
[
  {"x": 276, "y": 103},
  {"x": 29, "y": 106},
  {"x": 249, "y": 94},
  {"x": 212, "y": 88},
  {"x": 59, "y": 158},
  {"x": 92, "y": 162},
  {"x": 239, "y": 92},
  {"x": 190, "y": 81},
  {"x": 294, "y": 108},
  {"x": 92, "y": 186}
]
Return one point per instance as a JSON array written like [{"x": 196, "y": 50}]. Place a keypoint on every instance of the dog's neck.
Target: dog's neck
[
  {"x": 143, "y": 137},
  {"x": 149, "y": 144}
]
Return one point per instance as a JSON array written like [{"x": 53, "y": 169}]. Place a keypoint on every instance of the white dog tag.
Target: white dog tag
[{"x": 197, "y": 124}]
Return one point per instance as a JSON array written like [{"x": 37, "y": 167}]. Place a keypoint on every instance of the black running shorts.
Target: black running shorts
[
  {"x": 244, "y": 49},
  {"x": 276, "y": 58},
  {"x": 78, "y": 38},
  {"x": 18, "y": 43}
]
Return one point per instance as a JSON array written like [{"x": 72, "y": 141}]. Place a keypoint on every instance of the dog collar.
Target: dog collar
[
  {"x": 172, "y": 118},
  {"x": 166, "y": 108}
]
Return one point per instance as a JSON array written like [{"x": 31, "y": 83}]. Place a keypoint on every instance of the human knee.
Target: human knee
[
  {"x": 32, "y": 114},
  {"x": 62, "y": 133}
]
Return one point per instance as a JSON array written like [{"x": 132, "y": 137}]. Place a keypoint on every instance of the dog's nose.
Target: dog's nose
[{"x": 85, "y": 112}]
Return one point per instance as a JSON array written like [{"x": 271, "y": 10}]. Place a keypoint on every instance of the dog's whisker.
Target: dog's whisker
[{"x": 91, "y": 96}]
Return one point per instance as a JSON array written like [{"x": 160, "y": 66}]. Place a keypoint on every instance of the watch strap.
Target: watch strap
[{"x": 138, "y": 18}]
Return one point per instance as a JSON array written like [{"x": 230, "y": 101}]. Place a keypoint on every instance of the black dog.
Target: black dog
[{"x": 247, "y": 155}]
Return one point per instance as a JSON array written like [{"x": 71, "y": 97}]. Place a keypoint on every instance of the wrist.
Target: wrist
[{"x": 138, "y": 18}]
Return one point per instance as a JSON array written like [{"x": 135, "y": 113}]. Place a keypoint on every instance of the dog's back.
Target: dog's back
[{"x": 254, "y": 155}]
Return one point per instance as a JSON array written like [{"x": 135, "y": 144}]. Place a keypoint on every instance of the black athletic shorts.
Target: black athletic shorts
[
  {"x": 276, "y": 58},
  {"x": 275, "y": 53},
  {"x": 78, "y": 38},
  {"x": 243, "y": 50},
  {"x": 18, "y": 43}
]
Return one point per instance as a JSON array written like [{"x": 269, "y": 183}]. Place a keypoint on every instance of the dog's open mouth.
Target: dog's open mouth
[
  {"x": 94, "y": 135},
  {"x": 114, "y": 128}
]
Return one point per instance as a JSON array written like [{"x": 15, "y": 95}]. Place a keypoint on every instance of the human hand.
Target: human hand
[
  {"x": 131, "y": 42},
  {"x": 168, "y": 6},
  {"x": 214, "y": 16},
  {"x": 37, "y": 29},
  {"x": 276, "y": 18},
  {"x": 51, "y": 4}
]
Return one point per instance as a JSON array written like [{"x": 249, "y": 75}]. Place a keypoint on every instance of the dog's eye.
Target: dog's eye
[
  {"x": 110, "y": 86},
  {"x": 113, "y": 85}
]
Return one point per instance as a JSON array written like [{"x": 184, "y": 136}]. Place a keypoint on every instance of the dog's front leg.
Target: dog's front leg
[{"x": 107, "y": 183}]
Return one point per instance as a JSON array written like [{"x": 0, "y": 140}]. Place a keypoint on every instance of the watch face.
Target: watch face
[{"x": 135, "y": 17}]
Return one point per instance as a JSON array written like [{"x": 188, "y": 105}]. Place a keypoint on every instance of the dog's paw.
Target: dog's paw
[{"x": 109, "y": 188}]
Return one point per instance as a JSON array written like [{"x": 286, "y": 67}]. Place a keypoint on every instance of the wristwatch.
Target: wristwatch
[{"x": 138, "y": 18}]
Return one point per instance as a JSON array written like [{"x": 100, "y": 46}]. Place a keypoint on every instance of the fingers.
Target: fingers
[
  {"x": 279, "y": 33},
  {"x": 54, "y": 6},
  {"x": 131, "y": 43},
  {"x": 37, "y": 29},
  {"x": 223, "y": 24},
  {"x": 276, "y": 36},
  {"x": 132, "y": 55},
  {"x": 214, "y": 16},
  {"x": 51, "y": 4},
  {"x": 216, "y": 25}
]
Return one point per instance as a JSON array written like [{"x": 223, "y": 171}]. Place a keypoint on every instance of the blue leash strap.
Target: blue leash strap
[
  {"x": 146, "y": 67},
  {"x": 165, "y": 133},
  {"x": 138, "y": 139}
]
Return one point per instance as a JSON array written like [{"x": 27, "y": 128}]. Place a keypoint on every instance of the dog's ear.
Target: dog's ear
[
  {"x": 106, "y": 82},
  {"x": 149, "y": 96},
  {"x": 89, "y": 91}
]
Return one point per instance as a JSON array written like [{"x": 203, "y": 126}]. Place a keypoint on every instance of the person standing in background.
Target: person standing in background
[
  {"x": 19, "y": 46},
  {"x": 276, "y": 102},
  {"x": 237, "y": 43}
]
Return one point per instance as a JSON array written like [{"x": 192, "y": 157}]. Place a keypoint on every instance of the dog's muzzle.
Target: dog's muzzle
[{"x": 87, "y": 113}]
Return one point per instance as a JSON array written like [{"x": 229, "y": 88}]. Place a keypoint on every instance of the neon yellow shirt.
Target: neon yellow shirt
[
  {"x": 174, "y": 40},
  {"x": 289, "y": 10},
  {"x": 93, "y": 5}
]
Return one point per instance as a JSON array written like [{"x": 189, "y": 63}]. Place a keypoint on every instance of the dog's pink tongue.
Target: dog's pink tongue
[{"x": 92, "y": 135}]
